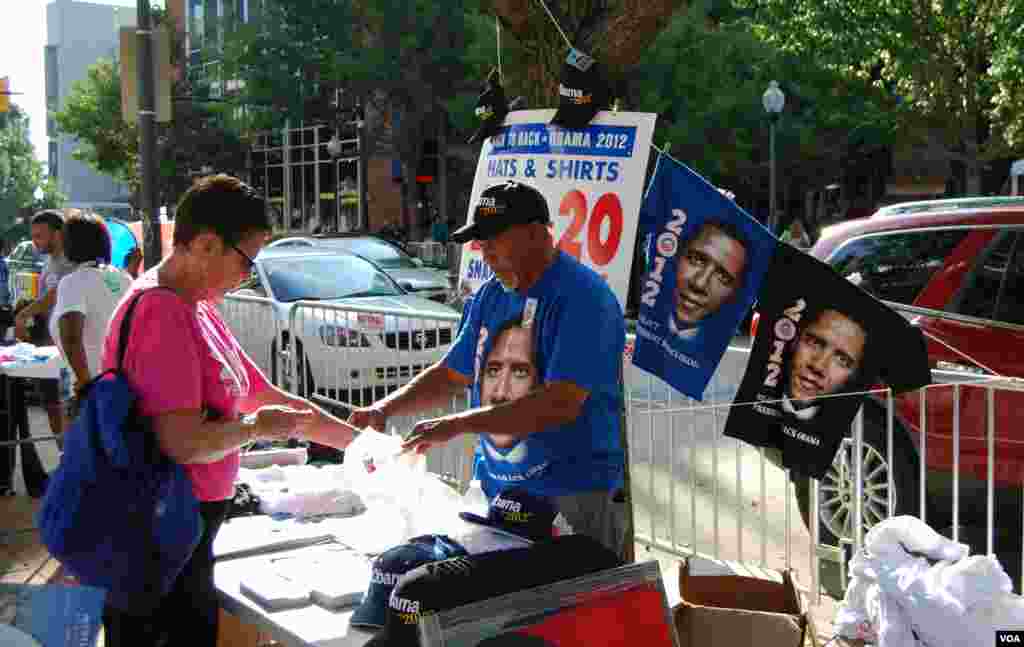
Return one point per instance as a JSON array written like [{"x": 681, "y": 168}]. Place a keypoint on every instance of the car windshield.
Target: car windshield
[
  {"x": 315, "y": 278},
  {"x": 387, "y": 256}
]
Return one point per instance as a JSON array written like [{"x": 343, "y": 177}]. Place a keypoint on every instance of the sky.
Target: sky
[{"x": 21, "y": 59}]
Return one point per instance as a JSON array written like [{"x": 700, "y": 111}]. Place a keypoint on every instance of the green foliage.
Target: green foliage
[
  {"x": 20, "y": 172},
  {"x": 406, "y": 57},
  {"x": 200, "y": 134},
  {"x": 49, "y": 195},
  {"x": 954, "y": 65},
  {"x": 706, "y": 80},
  {"x": 92, "y": 114}
]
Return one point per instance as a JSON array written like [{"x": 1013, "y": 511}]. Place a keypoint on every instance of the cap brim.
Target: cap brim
[
  {"x": 372, "y": 611},
  {"x": 488, "y": 129},
  {"x": 574, "y": 117},
  {"x": 464, "y": 234},
  {"x": 482, "y": 521},
  {"x": 382, "y": 639},
  {"x": 484, "y": 539}
]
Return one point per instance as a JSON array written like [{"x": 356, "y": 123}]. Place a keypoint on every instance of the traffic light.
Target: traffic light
[
  {"x": 426, "y": 167},
  {"x": 5, "y": 94}
]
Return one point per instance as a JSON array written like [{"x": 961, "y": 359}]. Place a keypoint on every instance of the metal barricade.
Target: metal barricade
[
  {"x": 696, "y": 492},
  {"x": 343, "y": 356},
  {"x": 256, "y": 323}
]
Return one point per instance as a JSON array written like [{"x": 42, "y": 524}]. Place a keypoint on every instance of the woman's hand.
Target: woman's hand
[{"x": 278, "y": 422}]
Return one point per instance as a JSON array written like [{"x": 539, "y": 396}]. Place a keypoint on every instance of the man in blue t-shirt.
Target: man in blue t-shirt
[{"x": 562, "y": 438}]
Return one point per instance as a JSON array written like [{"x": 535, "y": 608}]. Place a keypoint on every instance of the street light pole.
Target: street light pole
[
  {"x": 147, "y": 138},
  {"x": 773, "y": 100},
  {"x": 772, "y": 217}
]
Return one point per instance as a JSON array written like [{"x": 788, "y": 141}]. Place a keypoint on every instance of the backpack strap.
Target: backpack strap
[{"x": 126, "y": 324}]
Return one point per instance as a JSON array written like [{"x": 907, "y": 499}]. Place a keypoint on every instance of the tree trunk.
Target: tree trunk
[{"x": 616, "y": 36}]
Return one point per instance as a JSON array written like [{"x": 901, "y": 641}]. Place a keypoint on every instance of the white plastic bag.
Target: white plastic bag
[{"x": 386, "y": 478}]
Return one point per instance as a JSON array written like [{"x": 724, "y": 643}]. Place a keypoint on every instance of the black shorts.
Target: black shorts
[{"x": 49, "y": 391}]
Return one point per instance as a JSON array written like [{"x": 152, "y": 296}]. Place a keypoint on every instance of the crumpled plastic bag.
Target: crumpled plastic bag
[
  {"x": 303, "y": 504},
  {"x": 385, "y": 478},
  {"x": 905, "y": 533}
]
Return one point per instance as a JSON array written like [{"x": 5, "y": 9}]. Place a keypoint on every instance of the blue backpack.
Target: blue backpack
[{"x": 118, "y": 513}]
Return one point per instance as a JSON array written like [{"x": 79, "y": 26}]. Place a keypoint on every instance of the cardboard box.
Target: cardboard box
[{"x": 735, "y": 609}]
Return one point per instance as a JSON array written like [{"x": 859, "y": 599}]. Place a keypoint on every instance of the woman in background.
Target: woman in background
[{"x": 87, "y": 297}]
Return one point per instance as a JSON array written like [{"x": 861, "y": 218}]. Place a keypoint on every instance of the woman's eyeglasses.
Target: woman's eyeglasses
[{"x": 248, "y": 258}]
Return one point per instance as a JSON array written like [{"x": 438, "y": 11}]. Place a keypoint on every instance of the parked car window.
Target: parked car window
[
  {"x": 983, "y": 293},
  {"x": 387, "y": 256},
  {"x": 326, "y": 277},
  {"x": 25, "y": 252},
  {"x": 1010, "y": 308},
  {"x": 896, "y": 266}
]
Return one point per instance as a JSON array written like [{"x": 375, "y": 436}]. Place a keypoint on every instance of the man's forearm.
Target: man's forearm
[
  {"x": 433, "y": 387},
  {"x": 39, "y": 306},
  {"x": 549, "y": 406}
]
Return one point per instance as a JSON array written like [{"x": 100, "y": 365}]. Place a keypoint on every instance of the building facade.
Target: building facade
[
  {"x": 317, "y": 174},
  {"x": 78, "y": 34}
]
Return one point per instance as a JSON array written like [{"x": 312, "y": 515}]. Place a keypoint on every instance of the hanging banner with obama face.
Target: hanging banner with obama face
[
  {"x": 821, "y": 343},
  {"x": 706, "y": 258}
]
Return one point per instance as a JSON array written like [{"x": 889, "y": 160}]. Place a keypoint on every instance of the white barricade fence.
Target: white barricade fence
[
  {"x": 351, "y": 356},
  {"x": 256, "y": 323},
  {"x": 696, "y": 491}
]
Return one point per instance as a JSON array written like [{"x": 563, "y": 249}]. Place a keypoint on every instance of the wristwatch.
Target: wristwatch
[{"x": 248, "y": 423}]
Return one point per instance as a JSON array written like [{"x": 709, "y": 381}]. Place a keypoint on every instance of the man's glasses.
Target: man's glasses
[{"x": 248, "y": 258}]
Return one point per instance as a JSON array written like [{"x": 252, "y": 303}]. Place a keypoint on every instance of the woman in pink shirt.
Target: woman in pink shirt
[{"x": 197, "y": 383}]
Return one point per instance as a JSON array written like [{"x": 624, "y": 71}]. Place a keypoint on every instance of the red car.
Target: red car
[{"x": 963, "y": 261}]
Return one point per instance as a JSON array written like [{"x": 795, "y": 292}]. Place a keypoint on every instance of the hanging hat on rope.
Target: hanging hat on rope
[
  {"x": 491, "y": 108},
  {"x": 582, "y": 91}
]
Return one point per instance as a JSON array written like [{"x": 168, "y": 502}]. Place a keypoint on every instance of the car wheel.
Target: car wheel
[{"x": 836, "y": 489}]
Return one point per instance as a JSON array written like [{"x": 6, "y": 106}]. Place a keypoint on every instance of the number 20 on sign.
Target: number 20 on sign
[{"x": 586, "y": 225}]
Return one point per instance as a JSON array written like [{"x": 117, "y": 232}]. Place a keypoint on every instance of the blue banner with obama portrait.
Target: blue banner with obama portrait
[
  {"x": 821, "y": 344},
  {"x": 705, "y": 260}
]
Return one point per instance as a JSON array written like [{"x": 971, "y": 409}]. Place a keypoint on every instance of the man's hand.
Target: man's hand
[
  {"x": 428, "y": 433},
  {"x": 363, "y": 417}
]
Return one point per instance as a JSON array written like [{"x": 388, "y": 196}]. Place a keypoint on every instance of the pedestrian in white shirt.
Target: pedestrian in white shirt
[{"x": 87, "y": 297}]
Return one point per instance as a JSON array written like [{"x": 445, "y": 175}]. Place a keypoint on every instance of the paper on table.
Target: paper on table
[
  {"x": 335, "y": 576},
  {"x": 273, "y": 591},
  {"x": 243, "y": 536}
]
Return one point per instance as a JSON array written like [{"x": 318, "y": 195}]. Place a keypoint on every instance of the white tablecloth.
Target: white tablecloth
[{"x": 45, "y": 369}]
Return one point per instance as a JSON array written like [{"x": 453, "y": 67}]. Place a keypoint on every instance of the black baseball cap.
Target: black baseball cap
[
  {"x": 390, "y": 566},
  {"x": 444, "y": 585},
  {"x": 491, "y": 108},
  {"x": 500, "y": 207},
  {"x": 582, "y": 91},
  {"x": 518, "y": 513}
]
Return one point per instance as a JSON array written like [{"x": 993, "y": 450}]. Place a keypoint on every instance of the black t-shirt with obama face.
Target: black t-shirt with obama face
[{"x": 821, "y": 342}]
